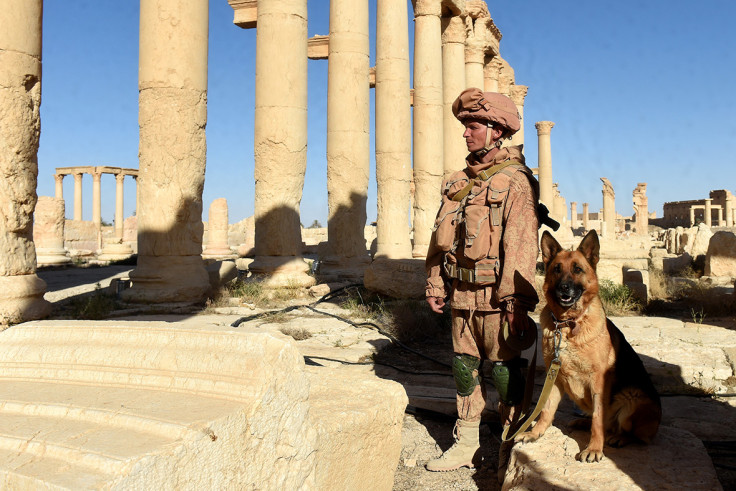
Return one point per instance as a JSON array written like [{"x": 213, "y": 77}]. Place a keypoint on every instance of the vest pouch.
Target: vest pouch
[
  {"x": 486, "y": 271},
  {"x": 444, "y": 224},
  {"x": 477, "y": 232}
]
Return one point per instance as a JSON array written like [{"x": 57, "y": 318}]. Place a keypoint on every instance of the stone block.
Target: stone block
[
  {"x": 150, "y": 406},
  {"x": 221, "y": 273},
  {"x": 676, "y": 459},
  {"x": 720, "y": 258},
  {"x": 359, "y": 419}
]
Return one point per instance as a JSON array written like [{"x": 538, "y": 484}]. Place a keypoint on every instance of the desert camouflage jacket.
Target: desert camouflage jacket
[{"x": 518, "y": 248}]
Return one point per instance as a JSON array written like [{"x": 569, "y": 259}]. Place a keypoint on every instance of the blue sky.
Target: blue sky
[{"x": 639, "y": 92}]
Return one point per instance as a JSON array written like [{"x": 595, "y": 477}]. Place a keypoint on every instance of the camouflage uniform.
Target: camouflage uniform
[{"x": 477, "y": 309}]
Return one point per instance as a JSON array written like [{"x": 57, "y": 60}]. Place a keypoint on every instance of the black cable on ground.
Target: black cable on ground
[{"x": 372, "y": 363}]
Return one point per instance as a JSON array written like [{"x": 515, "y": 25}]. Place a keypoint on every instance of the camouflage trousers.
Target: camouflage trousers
[{"x": 479, "y": 334}]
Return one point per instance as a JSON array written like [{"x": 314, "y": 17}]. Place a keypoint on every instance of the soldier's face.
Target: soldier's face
[{"x": 475, "y": 134}]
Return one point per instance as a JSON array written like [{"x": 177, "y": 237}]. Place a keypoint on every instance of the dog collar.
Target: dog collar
[{"x": 560, "y": 324}]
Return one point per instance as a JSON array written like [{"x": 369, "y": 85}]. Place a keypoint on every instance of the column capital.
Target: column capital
[
  {"x": 119, "y": 177},
  {"x": 78, "y": 176},
  {"x": 607, "y": 187},
  {"x": 59, "y": 177},
  {"x": 574, "y": 204},
  {"x": 518, "y": 94},
  {"x": 96, "y": 176},
  {"x": 427, "y": 7},
  {"x": 475, "y": 53},
  {"x": 453, "y": 29},
  {"x": 544, "y": 127}
]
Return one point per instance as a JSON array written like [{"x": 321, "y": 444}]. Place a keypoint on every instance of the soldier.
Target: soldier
[{"x": 482, "y": 258}]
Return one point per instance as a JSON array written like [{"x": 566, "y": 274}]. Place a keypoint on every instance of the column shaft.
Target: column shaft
[
  {"x": 78, "y": 196},
  {"x": 21, "y": 290},
  {"x": 546, "y": 195},
  {"x": 474, "y": 64},
  {"x": 119, "y": 201},
  {"x": 348, "y": 137},
  {"x": 729, "y": 213},
  {"x": 490, "y": 74},
  {"x": 172, "y": 118},
  {"x": 692, "y": 216},
  {"x": 586, "y": 217},
  {"x": 573, "y": 214},
  {"x": 428, "y": 124},
  {"x": 453, "y": 82},
  {"x": 96, "y": 199},
  {"x": 59, "y": 189},
  {"x": 393, "y": 129},
  {"x": 708, "y": 212}
]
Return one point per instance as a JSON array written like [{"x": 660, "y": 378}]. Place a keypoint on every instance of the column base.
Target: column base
[
  {"x": 51, "y": 256},
  {"x": 22, "y": 299},
  {"x": 336, "y": 269},
  {"x": 397, "y": 278},
  {"x": 281, "y": 271},
  {"x": 159, "y": 279},
  {"x": 115, "y": 252},
  {"x": 222, "y": 253}
]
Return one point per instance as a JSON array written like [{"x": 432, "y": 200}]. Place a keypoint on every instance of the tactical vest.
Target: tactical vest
[{"x": 469, "y": 225}]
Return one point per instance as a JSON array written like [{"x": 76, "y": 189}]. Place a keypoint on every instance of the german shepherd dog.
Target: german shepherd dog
[{"x": 599, "y": 369}]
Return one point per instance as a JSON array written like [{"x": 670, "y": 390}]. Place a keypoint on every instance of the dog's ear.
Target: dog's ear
[
  {"x": 590, "y": 248},
  {"x": 550, "y": 247}
]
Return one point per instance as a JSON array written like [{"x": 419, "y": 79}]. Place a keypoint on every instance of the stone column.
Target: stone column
[
  {"x": 729, "y": 212},
  {"x": 119, "y": 202},
  {"x": 393, "y": 144},
  {"x": 428, "y": 124},
  {"x": 453, "y": 82},
  {"x": 518, "y": 94},
  {"x": 21, "y": 290},
  {"x": 217, "y": 228},
  {"x": 78, "y": 195},
  {"x": 609, "y": 208},
  {"x": 172, "y": 117},
  {"x": 573, "y": 214},
  {"x": 280, "y": 141},
  {"x": 348, "y": 140},
  {"x": 48, "y": 231},
  {"x": 474, "y": 63},
  {"x": 692, "y": 216},
  {"x": 641, "y": 207},
  {"x": 59, "y": 191},
  {"x": 720, "y": 217},
  {"x": 546, "y": 195},
  {"x": 96, "y": 199},
  {"x": 491, "y": 69},
  {"x": 708, "y": 212},
  {"x": 393, "y": 129},
  {"x": 586, "y": 217}
]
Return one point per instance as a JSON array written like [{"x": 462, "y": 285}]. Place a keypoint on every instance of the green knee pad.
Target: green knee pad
[
  {"x": 509, "y": 381},
  {"x": 463, "y": 367}
]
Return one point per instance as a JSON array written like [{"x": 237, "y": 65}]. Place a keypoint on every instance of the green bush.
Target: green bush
[{"x": 617, "y": 299}]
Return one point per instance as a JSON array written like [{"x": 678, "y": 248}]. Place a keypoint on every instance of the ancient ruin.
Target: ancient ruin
[{"x": 206, "y": 388}]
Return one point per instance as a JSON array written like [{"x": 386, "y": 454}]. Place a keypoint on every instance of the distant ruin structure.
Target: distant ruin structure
[
  {"x": 608, "y": 226},
  {"x": 719, "y": 209},
  {"x": 641, "y": 208}
]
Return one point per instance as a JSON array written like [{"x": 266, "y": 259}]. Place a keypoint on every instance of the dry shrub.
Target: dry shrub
[
  {"x": 298, "y": 333},
  {"x": 617, "y": 299}
]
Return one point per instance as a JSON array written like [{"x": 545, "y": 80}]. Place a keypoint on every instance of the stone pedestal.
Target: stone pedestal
[
  {"x": 217, "y": 227},
  {"x": 280, "y": 145},
  {"x": 21, "y": 291},
  {"x": 546, "y": 195},
  {"x": 348, "y": 140},
  {"x": 48, "y": 232},
  {"x": 453, "y": 82},
  {"x": 172, "y": 118},
  {"x": 428, "y": 124},
  {"x": 609, "y": 209}
]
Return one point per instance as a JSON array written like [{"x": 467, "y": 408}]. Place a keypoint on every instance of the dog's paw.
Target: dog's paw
[
  {"x": 527, "y": 437},
  {"x": 591, "y": 455}
]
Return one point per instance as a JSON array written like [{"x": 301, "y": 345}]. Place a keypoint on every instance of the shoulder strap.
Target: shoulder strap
[{"x": 483, "y": 175}]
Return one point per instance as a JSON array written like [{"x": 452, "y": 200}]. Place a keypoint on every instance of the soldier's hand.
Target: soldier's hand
[
  {"x": 436, "y": 304},
  {"x": 517, "y": 320}
]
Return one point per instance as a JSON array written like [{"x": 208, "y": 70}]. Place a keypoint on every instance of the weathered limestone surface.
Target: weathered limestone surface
[
  {"x": 20, "y": 126},
  {"x": 280, "y": 147},
  {"x": 428, "y": 124},
  {"x": 48, "y": 231},
  {"x": 172, "y": 151},
  {"x": 546, "y": 196},
  {"x": 702, "y": 235},
  {"x": 720, "y": 260},
  {"x": 348, "y": 138},
  {"x": 641, "y": 208},
  {"x": 453, "y": 82},
  {"x": 676, "y": 459},
  {"x": 359, "y": 431},
  {"x": 608, "y": 226},
  {"x": 151, "y": 408}
]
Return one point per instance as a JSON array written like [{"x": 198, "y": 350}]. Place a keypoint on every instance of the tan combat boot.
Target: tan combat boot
[{"x": 463, "y": 452}]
